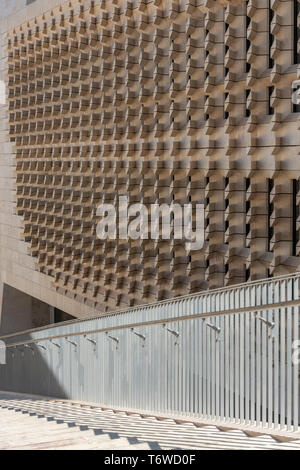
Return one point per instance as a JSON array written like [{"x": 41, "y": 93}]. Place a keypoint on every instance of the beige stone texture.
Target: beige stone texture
[{"x": 163, "y": 101}]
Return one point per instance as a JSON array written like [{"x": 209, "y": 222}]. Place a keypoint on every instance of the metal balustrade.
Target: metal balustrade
[{"x": 229, "y": 355}]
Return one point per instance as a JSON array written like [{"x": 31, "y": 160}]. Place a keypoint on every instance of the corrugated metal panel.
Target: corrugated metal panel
[{"x": 185, "y": 356}]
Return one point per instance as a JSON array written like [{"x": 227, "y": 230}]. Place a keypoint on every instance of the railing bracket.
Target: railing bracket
[
  {"x": 116, "y": 340},
  {"x": 173, "y": 332},
  {"x": 270, "y": 324},
  {"x": 71, "y": 342},
  {"x": 29, "y": 347},
  {"x": 215, "y": 328},
  {"x": 139, "y": 335},
  {"x": 91, "y": 341}
]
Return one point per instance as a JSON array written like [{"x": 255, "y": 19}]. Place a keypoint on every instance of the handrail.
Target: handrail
[
  {"x": 162, "y": 302},
  {"x": 162, "y": 321}
]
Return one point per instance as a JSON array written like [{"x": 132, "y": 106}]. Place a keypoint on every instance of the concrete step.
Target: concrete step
[{"x": 83, "y": 427}]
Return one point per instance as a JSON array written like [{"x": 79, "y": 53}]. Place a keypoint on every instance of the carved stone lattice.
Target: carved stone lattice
[{"x": 164, "y": 102}]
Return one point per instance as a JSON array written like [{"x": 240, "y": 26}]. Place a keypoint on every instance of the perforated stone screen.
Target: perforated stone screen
[{"x": 164, "y": 102}]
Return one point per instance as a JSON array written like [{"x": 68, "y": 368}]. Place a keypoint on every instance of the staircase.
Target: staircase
[{"x": 41, "y": 424}]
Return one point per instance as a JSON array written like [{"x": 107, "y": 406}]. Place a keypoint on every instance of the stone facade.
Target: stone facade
[{"x": 163, "y": 101}]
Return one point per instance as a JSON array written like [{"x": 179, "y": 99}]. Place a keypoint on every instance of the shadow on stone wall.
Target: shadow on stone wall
[{"x": 30, "y": 369}]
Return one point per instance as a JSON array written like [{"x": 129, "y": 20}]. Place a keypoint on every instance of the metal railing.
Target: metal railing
[{"x": 228, "y": 355}]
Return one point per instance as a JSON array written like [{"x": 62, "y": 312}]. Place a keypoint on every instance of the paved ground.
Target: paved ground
[{"x": 43, "y": 424}]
